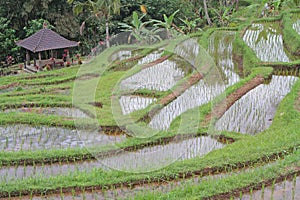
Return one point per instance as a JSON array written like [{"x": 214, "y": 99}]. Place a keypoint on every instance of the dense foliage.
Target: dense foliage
[{"x": 24, "y": 17}]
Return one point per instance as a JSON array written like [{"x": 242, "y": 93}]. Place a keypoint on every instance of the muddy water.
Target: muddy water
[
  {"x": 255, "y": 111},
  {"x": 121, "y": 55},
  {"x": 133, "y": 103},
  {"x": 24, "y": 137},
  {"x": 220, "y": 47},
  {"x": 66, "y": 112},
  {"x": 266, "y": 41},
  {"x": 160, "y": 77},
  {"x": 286, "y": 190},
  {"x": 145, "y": 159}
]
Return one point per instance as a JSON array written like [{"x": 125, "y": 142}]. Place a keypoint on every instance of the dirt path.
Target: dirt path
[
  {"x": 219, "y": 109},
  {"x": 3, "y": 87},
  {"x": 160, "y": 60},
  {"x": 195, "y": 78}
]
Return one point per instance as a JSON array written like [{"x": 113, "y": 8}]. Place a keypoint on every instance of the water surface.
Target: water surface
[{"x": 266, "y": 41}]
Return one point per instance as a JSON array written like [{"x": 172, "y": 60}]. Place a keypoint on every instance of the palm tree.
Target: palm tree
[{"x": 99, "y": 8}]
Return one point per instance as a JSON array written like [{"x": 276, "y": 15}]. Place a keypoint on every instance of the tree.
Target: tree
[
  {"x": 7, "y": 39},
  {"x": 206, "y": 13},
  {"x": 99, "y": 8},
  {"x": 36, "y": 25}
]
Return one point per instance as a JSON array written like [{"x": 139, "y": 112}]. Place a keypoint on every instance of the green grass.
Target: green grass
[
  {"x": 212, "y": 187},
  {"x": 290, "y": 37}
]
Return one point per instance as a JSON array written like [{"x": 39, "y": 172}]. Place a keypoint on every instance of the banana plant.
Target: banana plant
[
  {"x": 223, "y": 15},
  {"x": 168, "y": 23},
  {"x": 190, "y": 25},
  {"x": 139, "y": 31}
]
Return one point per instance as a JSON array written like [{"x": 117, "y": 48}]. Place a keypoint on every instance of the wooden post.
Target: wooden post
[
  {"x": 27, "y": 58},
  {"x": 40, "y": 56}
]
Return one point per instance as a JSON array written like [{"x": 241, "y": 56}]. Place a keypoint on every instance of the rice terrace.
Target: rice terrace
[{"x": 149, "y": 99}]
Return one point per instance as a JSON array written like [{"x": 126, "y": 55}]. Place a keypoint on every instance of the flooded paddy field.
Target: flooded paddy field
[
  {"x": 132, "y": 103},
  {"x": 25, "y": 137},
  {"x": 66, "y": 112},
  {"x": 220, "y": 47},
  {"x": 164, "y": 186},
  {"x": 121, "y": 55},
  {"x": 189, "y": 50},
  {"x": 155, "y": 157},
  {"x": 286, "y": 190},
  {"x": 130, "y": 193},
  {"x": 255, "y": 111},
  {"x": 150, "y": 57},
  {"x": 153, "y": 88},
  {"x": 266, "y": 41},
  {"x": 144, "y": 159},
  {"x": 296, "y": 23},
  {"x": 161, "y": 77}
]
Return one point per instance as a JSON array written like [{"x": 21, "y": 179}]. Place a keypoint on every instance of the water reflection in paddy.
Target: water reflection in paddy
[
  {"x": 121, "y": 55},
  {"x": 150, "y": 57},
  {"x": 162, "y": 155},
  {"x": 254, "y": 112},
  {"x": 220, "y": 47},
  {"x": 149, "y": 158},
  {"x": 162, "y": 77},
  {"x": 133, "y": 103},
  {"x": 289, "y": 189},
  {"x": 296, "y": 26},
  {"x": 67, "y": 112},
  {"x": 266, "y": 41},
  {"x": 24, "y": 137},
  {"x": 189, "y": 50}
]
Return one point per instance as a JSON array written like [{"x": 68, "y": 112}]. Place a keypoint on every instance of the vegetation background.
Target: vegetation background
[{"x": 19, "y": 19}]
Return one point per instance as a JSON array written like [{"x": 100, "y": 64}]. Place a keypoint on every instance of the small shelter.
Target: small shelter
[{"x": 45, "y": 40}]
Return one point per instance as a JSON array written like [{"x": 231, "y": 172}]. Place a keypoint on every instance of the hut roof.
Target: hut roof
[{"x": 45, "y": 39}]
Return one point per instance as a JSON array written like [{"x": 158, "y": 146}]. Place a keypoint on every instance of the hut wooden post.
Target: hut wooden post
[
  {"x": 43, "y": 41},
  {"x": 27, "y": 58}
]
